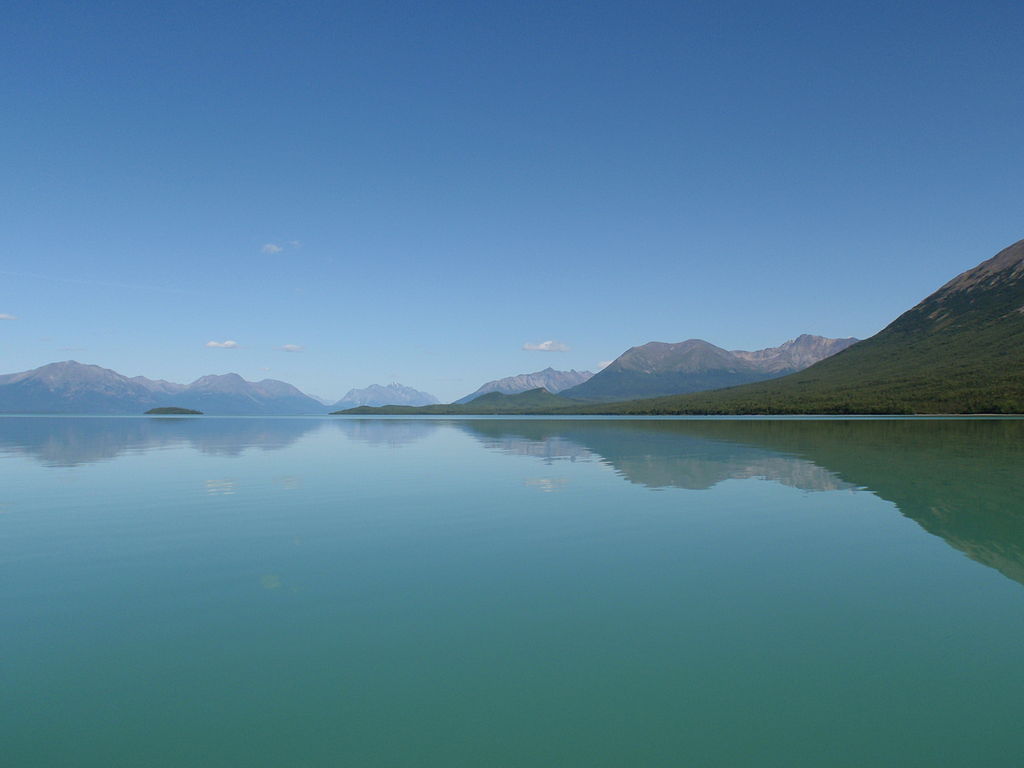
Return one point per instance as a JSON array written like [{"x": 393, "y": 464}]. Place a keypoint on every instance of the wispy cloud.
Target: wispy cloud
[
  {"x": 546, "y": 346},
  {"x": 272, "y": 248},
  {"x": 604, "y": 364},
  {"x": 229, "y": 344},
  {"x": 7, "y": 317},
  {"x": 291, "y": 347}
]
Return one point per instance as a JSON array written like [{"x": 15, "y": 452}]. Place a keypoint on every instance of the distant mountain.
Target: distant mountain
[
  {"x": 796, "y": 354},
  {"x": 531, "y": 401},
  {"x": 230, "y": 394},
  {"x": 657, "y": 368},
  {"x": 377, "y": 395},
  {"x": 550, "y": 379},
  {"x": 961, "y": 350},
  {"x": 158, "y": 386},
  {"x": 73, "y": 387}
]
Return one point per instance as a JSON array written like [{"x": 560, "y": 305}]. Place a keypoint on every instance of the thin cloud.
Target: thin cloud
[
  {"x": 605, "y": 363},
  {"x": 291, "y": 347},
  {"x": 229, "y": 344},
  {"x": 7, "y": 317},
  {"x": 272, "y": 248},
  {"x": 546, "y": 346}
]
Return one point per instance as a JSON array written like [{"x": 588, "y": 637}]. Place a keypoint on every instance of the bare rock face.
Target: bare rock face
[
  {"x": 550, "y": 379},
  {"x": 1005, "y": 267},
  {"x": 796, "y": 354}
]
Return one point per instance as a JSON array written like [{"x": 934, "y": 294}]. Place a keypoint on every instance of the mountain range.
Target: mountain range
[
  {"x": 960, "y": 350},
  {"x": 657, "y": 368},
  {"x": 376, "y": 395},
  {"x": 532, "y": 401},
  {"x": 550, "y": 379},
  {"x": 73, "y": 387}
]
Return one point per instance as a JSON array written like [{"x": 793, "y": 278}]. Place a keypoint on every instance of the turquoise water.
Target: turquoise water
[{"x": 511, "y": 592}]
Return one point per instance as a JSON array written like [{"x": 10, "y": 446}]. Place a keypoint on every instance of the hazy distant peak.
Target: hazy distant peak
[
  {"x": 71, "y": 368},
  {"x": 69, "y": 373},
  {"x": 215, "y": 379},
  {"x": 73, "y": 387},
  {"x": 157, "y": 385},
  {"x": 550, "y": 379},
  {"x": 378, "y": 394},
  {"x": 275, "y": 387}
]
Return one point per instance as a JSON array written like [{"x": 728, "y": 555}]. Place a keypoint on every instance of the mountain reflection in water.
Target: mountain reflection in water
[
  {"x": 388, "y": 433},
  {"x": 959, "y": 479},
  {"x": 646, "y": 454},
  {"x": 70, "y": 441}
]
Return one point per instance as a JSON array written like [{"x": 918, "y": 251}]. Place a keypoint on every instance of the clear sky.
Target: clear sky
[{"x": 415, "y": 191}]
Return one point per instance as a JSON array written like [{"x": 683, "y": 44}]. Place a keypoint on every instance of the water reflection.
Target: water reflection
[
  {"x": 654, "y": 454},
  {"x": 388, "y": 433},
  {"x": 958, "y": 479},
  {"x": 71, "y": 441},
  {"x": 68, "y": 442}
]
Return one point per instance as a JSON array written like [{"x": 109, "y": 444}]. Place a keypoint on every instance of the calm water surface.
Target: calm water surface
[{"x": 511, "y": 592}]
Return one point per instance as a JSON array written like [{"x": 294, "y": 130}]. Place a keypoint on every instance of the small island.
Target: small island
[{"x": 172, "y": 411}]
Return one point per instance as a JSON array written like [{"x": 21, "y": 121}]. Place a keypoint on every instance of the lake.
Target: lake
[{"x": 511, "y": 592}]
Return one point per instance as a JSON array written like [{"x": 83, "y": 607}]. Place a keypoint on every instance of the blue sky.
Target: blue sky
[{"x": 413, "y": 191}]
